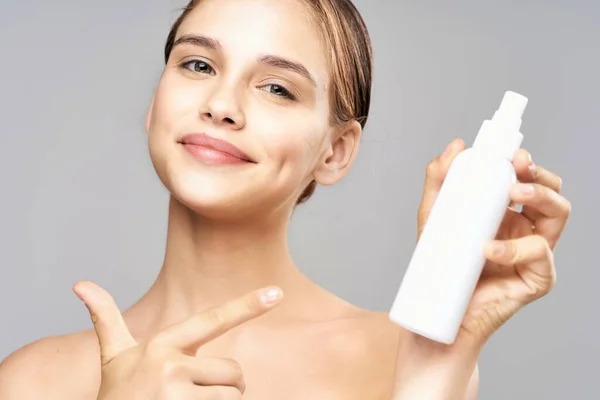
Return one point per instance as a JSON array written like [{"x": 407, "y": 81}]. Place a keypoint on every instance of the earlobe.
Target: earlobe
[
  {"x": 340, "y": 154},
  {"x": 149, "y": 115}
]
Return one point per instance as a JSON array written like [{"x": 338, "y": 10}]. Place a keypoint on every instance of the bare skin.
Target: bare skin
[
  {"x": 227, "y": 237},
  {"x": 313, "y": 345},
  {"x": 350, "y": 354}
]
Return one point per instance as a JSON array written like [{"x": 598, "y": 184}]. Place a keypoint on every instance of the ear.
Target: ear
[
  {"x": 149, "y": 115},
  {"x": 340, "y": 155}
]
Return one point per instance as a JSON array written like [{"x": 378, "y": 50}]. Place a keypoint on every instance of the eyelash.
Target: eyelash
[{"x": 285, "y": 93}]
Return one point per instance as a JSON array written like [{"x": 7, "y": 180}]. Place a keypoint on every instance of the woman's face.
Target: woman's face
[{"x": 252, "y": 73}]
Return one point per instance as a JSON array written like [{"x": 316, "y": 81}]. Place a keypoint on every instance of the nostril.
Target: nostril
[{"x": 228, "y": 120}]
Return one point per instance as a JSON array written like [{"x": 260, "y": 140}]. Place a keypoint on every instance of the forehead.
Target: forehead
[{"x": 250, "y": 28}]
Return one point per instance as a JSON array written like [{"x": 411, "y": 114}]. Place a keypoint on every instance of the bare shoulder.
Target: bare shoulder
[
  {"x": 374, "y": 326},
  {"x": 380, "y": 337},
  {"x": 57, "y": 367},
  {"x": 373, "y": 339},
  {"x": 358, "y": 332},
  {"x": 365, "y": 344}
]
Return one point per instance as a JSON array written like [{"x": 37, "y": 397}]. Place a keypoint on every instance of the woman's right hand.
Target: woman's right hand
[{"x": 165, "y": 366}]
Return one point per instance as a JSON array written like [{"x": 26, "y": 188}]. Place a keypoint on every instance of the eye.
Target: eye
[
  {"x": 279, "y": 90},
  {"x": 198, "y": 66}
]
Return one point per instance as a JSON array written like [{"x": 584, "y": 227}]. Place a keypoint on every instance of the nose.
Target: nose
[{"x": 223, "y": 108}]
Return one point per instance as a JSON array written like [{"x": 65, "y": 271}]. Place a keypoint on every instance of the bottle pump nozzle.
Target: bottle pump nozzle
[
  {"x": 511, "y": 110},
  {"x": 501, "y": 134}
]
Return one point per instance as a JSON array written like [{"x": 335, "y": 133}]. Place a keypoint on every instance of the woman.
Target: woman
[{"x": 259, "y": 101}]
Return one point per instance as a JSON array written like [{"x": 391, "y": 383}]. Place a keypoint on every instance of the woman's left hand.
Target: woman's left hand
[
  {"x": 519, "y": 269},
  {"x": 520, "y": 264}
]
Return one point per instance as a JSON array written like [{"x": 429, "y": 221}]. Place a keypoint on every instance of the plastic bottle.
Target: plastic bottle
[{"x": 448, "y": 259}]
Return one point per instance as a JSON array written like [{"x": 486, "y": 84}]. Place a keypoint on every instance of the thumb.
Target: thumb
[
  {"x": 113, "y": 335},
  {"x": 434, "y": 178}
]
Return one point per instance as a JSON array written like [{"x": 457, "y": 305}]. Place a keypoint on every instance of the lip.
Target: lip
[{"x": 196, "y": 141}]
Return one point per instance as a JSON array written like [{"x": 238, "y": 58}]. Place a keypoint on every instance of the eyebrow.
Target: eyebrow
[
  {"x": 283, "y": 63},
  {"x": 198, "y": 40},
  {"x": 270, "y": 60}
]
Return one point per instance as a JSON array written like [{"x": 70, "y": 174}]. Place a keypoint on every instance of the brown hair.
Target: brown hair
[{"x": 351, "y": 60}]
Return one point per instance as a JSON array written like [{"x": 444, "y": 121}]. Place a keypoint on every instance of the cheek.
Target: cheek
[
  {"x": 293, "y": 145},
  {"x": 174, "y": 103}
]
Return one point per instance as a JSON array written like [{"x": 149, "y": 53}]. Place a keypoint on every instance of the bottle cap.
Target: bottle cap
[
  {"x": 501, "y": 134},
  {"x": 511, "y": 110}
]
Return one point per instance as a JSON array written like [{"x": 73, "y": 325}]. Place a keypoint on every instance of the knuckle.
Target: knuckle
[
  {"x": 559, "y": 183},
  {"x": 215, "y": 317},
  {"x": 513, "y": 252},
  {"x": 156, "y": 345},
  {"x": 432, "y": 168},
  {"x": 234, "y": 366},
  {"x": 169, "y": 369},
  {"x": 551, "y": 282},
  {"x": 233, "y": 374},
  {"x": 235, "y": 369},
  {"x": 546, "y": 286},
  {"x": 553, "y": 279},
  {"x": 544, "y": 282},
  {"x": 252, "y": 305},
  {"x": 197, "y": 321},
  {"x": 542, "y": 248},
  {"x": 567, "y": 208}
]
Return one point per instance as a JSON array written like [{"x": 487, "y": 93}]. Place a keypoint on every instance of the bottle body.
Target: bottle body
[{"x": 448, "y": 259}]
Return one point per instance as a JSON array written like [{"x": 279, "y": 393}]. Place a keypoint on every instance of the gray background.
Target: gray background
[{"x": 80, "y": 199}]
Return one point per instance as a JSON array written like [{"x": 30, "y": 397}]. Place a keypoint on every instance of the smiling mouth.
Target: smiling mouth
[{"x": 213, "y": 151}]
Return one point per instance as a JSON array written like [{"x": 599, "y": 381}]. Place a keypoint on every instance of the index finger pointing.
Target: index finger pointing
[{"x": 213, "y": 322}]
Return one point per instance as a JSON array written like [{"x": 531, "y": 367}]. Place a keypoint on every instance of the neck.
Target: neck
[{"x": 209, "y": 262}]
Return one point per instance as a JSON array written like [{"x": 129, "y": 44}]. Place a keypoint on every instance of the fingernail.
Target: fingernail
[
  {"x": 526, "y": 189},
  {"x": 270, "y": 296},
  {"x": 532, "y": 169},
  {"x": 447, "y": 150},
  {"x": 75, "y": 289},
  {"x": 498, "y": 248}
]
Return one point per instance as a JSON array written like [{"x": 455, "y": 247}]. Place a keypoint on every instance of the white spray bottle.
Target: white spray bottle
[{"x": 447, "y": 262}]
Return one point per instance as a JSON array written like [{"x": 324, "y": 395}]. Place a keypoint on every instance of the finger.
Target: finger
[
  {"x": 211, "y": 323},
  {"x": 547, "y": 202},
  {"x": 548, "y": 210},
  {"x": 111, "y": 330},
  {"x": 548, "y": 179},
  {"x": 213, "y": 393},
  {"x": 434, "y": 178},
  {"x": 216, "y": 372},
  {"x": 545, "y": 178},
  {"x": 527, "y": 171},
  {"x": 532, "y": 257},
  {"x": 438, "y": 168},
  {"x": 524, "y": 165}
]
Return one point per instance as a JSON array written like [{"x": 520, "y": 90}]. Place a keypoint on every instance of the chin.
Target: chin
[
  {"x": 232, "y": 200},
  {"x": 230, "y": 192},
  {"x": 213, "y": 196}
]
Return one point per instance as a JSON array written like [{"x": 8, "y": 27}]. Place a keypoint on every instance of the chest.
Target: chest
[
  {"x": 309, "y": 365},
  {"x": 300, "y": 383}
]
